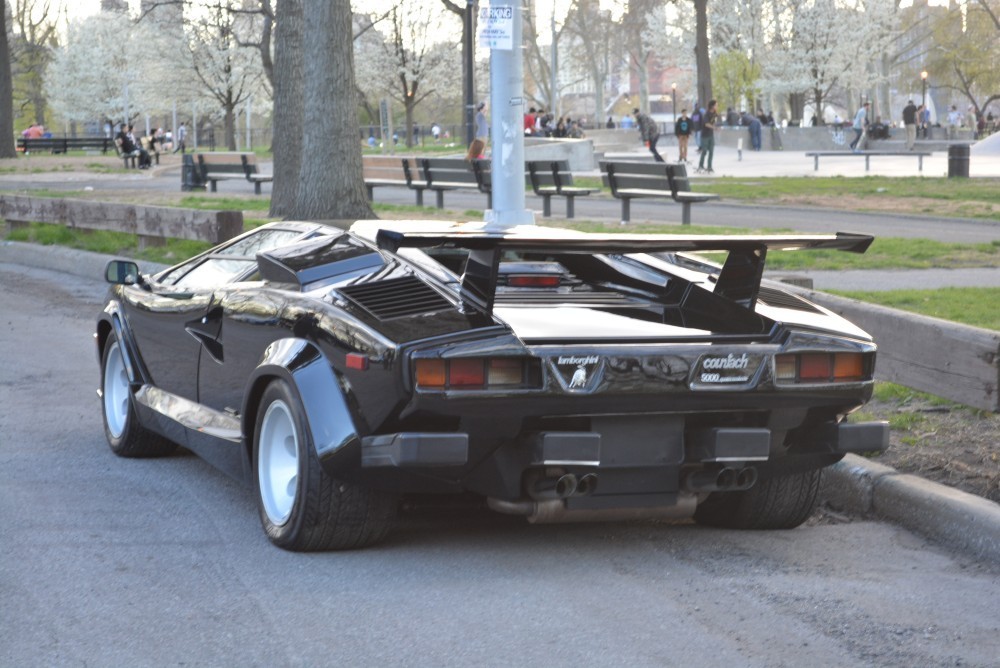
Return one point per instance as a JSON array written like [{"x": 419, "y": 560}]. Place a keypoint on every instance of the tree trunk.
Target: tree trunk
[
  {"x": 229, "y": 123},
  {"x": 702, "y": 63},
  {"x": 331, "y": 185},
  {"x": 7, "y": 146},
  {"x": 288, "y": 114}
]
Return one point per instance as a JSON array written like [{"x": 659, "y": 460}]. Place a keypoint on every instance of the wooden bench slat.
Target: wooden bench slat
[{"x": 632, "y": 180}]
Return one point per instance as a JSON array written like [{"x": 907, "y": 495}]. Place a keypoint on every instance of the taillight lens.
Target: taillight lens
[
  {"x": 821, "y": 367},
  {"x": 531, "y": 281},
  {"x": 466, "y": 373}
]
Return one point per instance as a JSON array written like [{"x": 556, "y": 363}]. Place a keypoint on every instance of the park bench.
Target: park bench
[
  {"x": 385, "y": 171},
  {"x": 149, "y": 144},
  {"x": 637, "y": 180},
  {"x": 444, "y": 174},
  {"x": 65, "y": 144},
  {"x": 253, "y": 175},
  {"x": 126, "y": 157},
  {"x": 414, "y": 176},
  {"x": 223, "y": 166},
  {"x": 552, "y": 177},
  {"x": 816, "y": 155}
]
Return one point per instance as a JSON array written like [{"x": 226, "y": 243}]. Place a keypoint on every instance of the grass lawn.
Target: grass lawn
[{"x": 979, "y": 307}]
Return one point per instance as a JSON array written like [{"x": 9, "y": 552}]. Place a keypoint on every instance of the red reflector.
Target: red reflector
[
  {"x": 357, "y": 361},
  {"x": 466, "y": 372},
  {"x": 815, "y": 366},
  {"x": 533, "y": 281}
]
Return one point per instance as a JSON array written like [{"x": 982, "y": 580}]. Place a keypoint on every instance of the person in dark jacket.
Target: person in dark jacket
[
  {"x": 683, "y": 128},
  {"x": 649, "y": 131}
]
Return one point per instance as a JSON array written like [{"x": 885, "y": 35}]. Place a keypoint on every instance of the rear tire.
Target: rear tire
[
  {"x": 780, "y": 502},
  {"x": 125, "y": 435},
  {"x": 302, "y": 508}
]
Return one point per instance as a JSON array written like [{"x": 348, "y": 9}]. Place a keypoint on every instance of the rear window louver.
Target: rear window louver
[
  {"x": 395, "y": 297},
  {"x": 779, "y": 299}
]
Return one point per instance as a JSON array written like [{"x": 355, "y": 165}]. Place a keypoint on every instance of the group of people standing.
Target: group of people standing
[{"x": 702, "y": 125}]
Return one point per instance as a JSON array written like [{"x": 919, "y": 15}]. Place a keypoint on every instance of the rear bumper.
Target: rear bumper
[{"x": 584, "y": 449}]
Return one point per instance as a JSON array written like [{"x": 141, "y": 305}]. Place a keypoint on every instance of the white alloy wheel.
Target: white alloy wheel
[
  {"x": 116, "y": 391},
  {"x": 278, "y": 462}
]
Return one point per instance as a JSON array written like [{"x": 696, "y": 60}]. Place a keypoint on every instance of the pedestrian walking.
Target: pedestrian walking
[
  {"x": 181, "y": 137},
  {"x": 860, "y": 123},
  {"x": 708, "y": 123},
  {"x": 477, "y": 149},
  {"x": 910, "y": 123},
  {"x": 649, "y": 132}
]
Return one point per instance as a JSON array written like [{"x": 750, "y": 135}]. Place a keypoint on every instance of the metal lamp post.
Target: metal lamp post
[
  {"x": 923, "y": 96},
  {"x": 673, "y": 92}
]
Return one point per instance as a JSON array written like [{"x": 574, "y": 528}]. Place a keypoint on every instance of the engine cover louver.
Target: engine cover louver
[
  {"x": 779, "y": 299},
  {"x": 395, "y": 297}
]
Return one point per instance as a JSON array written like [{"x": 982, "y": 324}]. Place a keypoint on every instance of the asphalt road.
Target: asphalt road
[{"x": 113, "y": 562}]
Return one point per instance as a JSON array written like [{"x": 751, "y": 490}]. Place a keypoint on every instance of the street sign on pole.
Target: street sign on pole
[{"x": 496, "y": 26}]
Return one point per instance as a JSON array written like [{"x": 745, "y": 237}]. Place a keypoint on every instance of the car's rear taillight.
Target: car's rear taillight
[
  {"x": 803, "y": 368},
  {"x": 467, "y": 373},
  {"x": 533, "y": 281}
]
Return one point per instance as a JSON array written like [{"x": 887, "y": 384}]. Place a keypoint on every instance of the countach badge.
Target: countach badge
[
  {"x": 578, "y": 373},
  {"x": 726, "y": 370}
]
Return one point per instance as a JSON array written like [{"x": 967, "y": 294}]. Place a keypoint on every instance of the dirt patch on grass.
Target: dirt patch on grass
[
  {"x": 952, "y": 445},
  {"x": 898, "y": 205}
]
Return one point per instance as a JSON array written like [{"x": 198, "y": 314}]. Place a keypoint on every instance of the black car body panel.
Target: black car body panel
[{"x": 445, "y": 358}]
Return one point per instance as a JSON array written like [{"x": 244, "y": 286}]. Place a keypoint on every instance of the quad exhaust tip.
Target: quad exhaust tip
[
  {"x": 726, "y": 479},
  {"x": 562, "y": 486}
]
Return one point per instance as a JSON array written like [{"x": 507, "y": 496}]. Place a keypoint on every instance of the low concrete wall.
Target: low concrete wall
[{"x": 579, "y": 152}]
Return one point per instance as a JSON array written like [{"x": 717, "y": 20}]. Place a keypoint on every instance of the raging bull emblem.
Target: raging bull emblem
[{"x": 584, "y": 368}]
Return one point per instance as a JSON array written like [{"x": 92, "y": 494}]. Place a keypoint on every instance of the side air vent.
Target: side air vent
[
  {"x": 779, "y": 299},
  {"x": 395, "y": 297}
]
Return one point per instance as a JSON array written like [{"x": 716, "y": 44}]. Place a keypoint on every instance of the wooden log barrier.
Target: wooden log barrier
[{"x": 152, "y": 224}]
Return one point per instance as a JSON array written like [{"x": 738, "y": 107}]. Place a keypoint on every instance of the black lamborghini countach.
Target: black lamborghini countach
[{"x": 556, "y": 375}]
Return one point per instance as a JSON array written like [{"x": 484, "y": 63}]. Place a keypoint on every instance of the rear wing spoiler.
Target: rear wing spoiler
[{"x": 739, "y": 279}]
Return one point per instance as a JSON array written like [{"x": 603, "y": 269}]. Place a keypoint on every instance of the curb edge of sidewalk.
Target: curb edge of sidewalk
[
  {"x": 957, "y": 519},
  {"x": 961, "y": 521}
]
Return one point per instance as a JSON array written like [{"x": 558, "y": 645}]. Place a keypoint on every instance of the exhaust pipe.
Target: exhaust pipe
[
  {"x": 711, "y": 480},
  {"x": 554, "y": 488},
  {"x": 746, "y": 477},
  {"x": 586, "y": 485}
]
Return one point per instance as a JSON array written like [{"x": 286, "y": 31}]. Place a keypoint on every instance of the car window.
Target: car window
[
  {"x": 215, "y": 271},
  {"x": 263, "y": 241}
]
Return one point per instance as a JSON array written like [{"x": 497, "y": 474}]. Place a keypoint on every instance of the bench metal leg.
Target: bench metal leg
[
  {"x": 370, "y": 191},
  {"x": 213, "y": 186},
  {"x": 570, "y": 208},
  {"x": 867, "y": 161},
  {"x": 547, "y": 206},
  {"x": 256, "y": 187},
  {"x": 489, "y": 200},
  {"x": 920, "y": 163},
  {"x": 420, "y": 196},
  {"x": 686, "y": 213},
  {"x": 439, "y": 198},
  {"x": 815, "y": 163},
  {"x": 626, "y": 210}
]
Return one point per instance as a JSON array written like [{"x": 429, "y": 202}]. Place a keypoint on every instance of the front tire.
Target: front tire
[
  {"x": 302, "y": 508},
  {"x": 779, "y": 502},
  {"x": 125, "y": 435}
]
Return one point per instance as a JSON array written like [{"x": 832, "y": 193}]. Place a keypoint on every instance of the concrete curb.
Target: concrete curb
[
  {"x": 83, "y": 264},
  {"x": 959, "y": 520}
]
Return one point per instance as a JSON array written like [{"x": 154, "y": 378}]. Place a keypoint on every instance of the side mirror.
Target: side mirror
[{"x": 122, "y": 272}]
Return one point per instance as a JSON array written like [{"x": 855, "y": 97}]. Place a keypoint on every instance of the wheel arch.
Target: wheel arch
[
  {"x": 111, "y": 320},
  {"x": 314, "y": 381}
]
